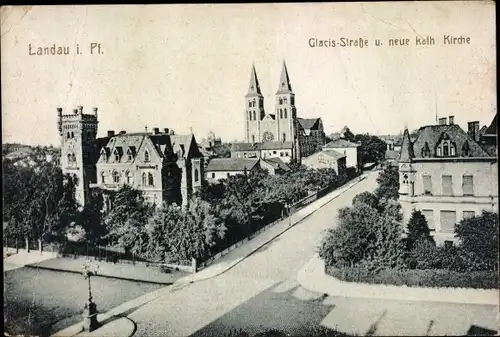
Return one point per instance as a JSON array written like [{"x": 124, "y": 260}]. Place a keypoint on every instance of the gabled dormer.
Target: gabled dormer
[
  {"x": 445, "y": 147},
  {"x": 131, "y": 153},
  {"x": 105, "y": 154},
  {"x": 117, "y": 154},
  {"x": 426, "y": 151}
]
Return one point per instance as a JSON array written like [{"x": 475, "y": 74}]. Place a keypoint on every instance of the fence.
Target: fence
[{"x": 293, "y": 209}]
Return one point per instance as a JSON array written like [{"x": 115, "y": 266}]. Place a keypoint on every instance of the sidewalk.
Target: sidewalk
[
  {"x": 23, "y": 258},
  {"x": 313, "y": 278},
  {"x": 130, "y": 272},
  {"x": 230, "y": 260},
  {"x": 246, "y": 249}
]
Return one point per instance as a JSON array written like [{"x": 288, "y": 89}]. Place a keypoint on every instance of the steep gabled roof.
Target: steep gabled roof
[
  {"x": 492, "y": 129},
  {"x": 407, "y": 153},
  {"x": 308, "y": 123},
  {"x": 231, "y": 164},
  {"x": 277, "y": 163},
  {"x": 432, "y": 135}
]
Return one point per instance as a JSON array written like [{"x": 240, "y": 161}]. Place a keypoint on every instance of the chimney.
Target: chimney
[
  {"x": 166, "y": 130},
  {"x": 80, "y": 109},
  {"x": 123, "y": 132},
  {"x": 94, "y": 109},
  {"x": 156, "y": 131},
  {"x": 111, "y": 133},
  {"x": 442, "y": 121},
  {"x": 75, "y": 111},
  {"x": 451, "y": 120},
  {"x": 473, "y": 132}
]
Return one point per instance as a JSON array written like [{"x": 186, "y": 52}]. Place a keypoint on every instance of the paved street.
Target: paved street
[{"x": 262, "y": 292}]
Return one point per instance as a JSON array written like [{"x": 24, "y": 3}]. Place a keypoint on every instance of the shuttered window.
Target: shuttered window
[
  {"x": 429, "y": 216},
  {"x": 427, "y": 180},
  {"x": 448, "y": 220},
  {"x": 468, "y": 185},
  {"x": 447, "y": 185}
]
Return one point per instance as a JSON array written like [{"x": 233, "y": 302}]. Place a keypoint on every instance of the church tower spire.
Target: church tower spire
[
  {"x": 254, "y": 109},
  {"x": 284, "y": 86},
  {"x": 254, "y": 87}
]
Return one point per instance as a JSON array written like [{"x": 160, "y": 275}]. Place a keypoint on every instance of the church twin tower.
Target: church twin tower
[{"x": 262, "y": 127}]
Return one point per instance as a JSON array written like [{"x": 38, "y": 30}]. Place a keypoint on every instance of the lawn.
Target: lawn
[{"x": 36, "y": 299}]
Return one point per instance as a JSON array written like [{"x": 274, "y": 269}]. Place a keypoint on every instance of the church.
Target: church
[
  {"x": 166, "y": 167},
  {"x": 280, "y": 134}
]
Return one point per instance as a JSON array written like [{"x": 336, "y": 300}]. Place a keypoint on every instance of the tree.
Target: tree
[
  {"x": 372, "y": 148},
  {"x": 126, "y": 220},
  {"x": 91, "y": 217},
  {"x": 388, "y": 183},
  {"x": 418, "y": 229},
  {"x": 222, "y": 150},
  {"x": 479, "y": 241},
  {"x": 367, "y": 198}
]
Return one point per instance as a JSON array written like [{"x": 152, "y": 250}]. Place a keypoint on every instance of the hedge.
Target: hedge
[{"x": 435, "y": 278}]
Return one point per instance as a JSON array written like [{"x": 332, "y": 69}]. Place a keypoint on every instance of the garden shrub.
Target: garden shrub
[{"x": 438, "y": 278}]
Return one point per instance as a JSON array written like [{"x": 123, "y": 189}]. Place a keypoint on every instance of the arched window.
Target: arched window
[
  {"x": 196, "y": 178},
  {"x": 130, "y": 156},
  {"x": 426, "y": 151},
  {"x": 146, "y": 155},
  {"x": 68, "y": 135},
  {"x": 144, "y": 179},
  {"x": 249, "y": 104},
  {"x": 285, "y": 100},
  {"x": 253, "y": 103},
  {"x": 281, "y": 113},
  {"x": 284, "y": 112},
  {"x": 130, "y": 178},
  {"x": 72, "y": 134},
  {"x": 151, "y": 181},
  {"x": 116, "y": 177},
  {"x": 117, "y": 156},
  {"x": 281, "y": 100},
  {"x": 445, "y": 149},
  {"x": 250, "y": 115},
  {"x": 73, "y": 158},
  {"x": 103, "y": 177},
  {"x": 254, "y": 116},
  {"x": 69, "y": 158}
]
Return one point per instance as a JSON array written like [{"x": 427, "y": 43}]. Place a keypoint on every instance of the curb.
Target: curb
[
  {"x": 118, "y": 326},
  {"x": 186, "y": 280},
  {"x": 34, "y": 266},
  {"x": 317, "y": 281}
]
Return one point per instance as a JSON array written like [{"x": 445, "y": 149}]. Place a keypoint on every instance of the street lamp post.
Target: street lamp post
[{"x": 90, "y": 309}]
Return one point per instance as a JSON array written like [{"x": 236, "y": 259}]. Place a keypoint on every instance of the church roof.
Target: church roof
[
  {"x": 254, "y": 86},
  {"x": 341, "y": 143},
  {"x": 245, "y": 147},
  {"x": 284, "y": 87},
  {"x": 276, "y": 145},
  {"x": 308, "y": 123},
  {"x": 231, "y": 164}
]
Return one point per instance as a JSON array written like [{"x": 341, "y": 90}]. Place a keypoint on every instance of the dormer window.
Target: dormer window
[
  {"x": 446, "y": 148},
  {"x": 146, "y": 155},
  {"x": 426, "y": 151},
  {"x": 130, "y": 156},
  {"x": 117, "y": 156}
]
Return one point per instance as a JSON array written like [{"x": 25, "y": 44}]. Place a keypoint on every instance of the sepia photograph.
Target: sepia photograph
[{"x": 250, "y": 169}]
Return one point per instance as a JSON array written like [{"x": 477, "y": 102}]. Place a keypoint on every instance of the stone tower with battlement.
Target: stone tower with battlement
[{"x": 78, "y": 132}]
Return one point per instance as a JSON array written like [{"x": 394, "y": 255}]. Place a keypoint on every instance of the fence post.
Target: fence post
[
  {"x": 40, "y": 246},
  {"x": 194, "y": 265},
  {"x": 27, "y": 245}
]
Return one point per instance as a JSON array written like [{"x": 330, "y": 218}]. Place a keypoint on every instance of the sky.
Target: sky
[{"x": 187, "y": 67}]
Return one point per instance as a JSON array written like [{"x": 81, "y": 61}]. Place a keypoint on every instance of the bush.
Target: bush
[
  {"x": 435, "y": 278},
  {"x": 479, "y": 241},
  {"x": 418, "y": 228}
]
